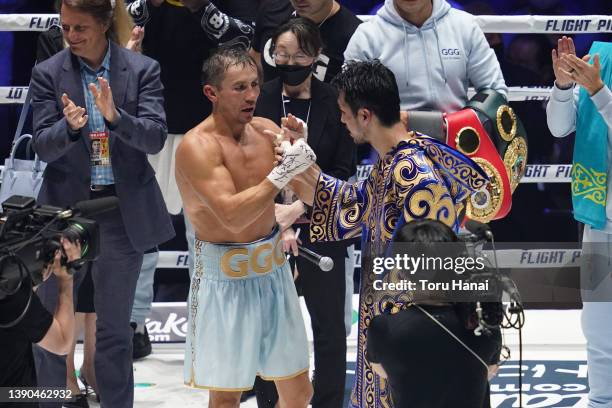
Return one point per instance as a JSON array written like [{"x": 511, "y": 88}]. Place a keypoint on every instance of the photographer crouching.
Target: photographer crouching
[
  {"x": 424, "y": 342},
  {"x": 25, "y": 321}
]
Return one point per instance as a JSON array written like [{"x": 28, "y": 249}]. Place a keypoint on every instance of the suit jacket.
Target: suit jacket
[
  {"x": 141, "y": 130},
  {"x": 327, "y": 136}
]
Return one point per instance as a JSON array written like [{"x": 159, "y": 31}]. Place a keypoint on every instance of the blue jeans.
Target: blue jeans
[
  {"x": 144, "y": 289},
  {"x": 596, "y": 315}
]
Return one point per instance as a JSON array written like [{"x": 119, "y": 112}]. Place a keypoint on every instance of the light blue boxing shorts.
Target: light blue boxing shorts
[{"x": 244, "y": 316}]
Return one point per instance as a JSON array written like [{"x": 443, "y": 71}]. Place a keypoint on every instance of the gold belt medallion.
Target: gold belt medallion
[
  {"x": 515, "y": 160},
  {"x": 506, "y": 122},
  {"x": 486, "y": 203}
]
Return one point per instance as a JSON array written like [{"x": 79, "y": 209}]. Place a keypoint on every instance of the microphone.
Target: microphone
[
  {"x": 479, "y": 229},
  {"x": 509, "y": 287},
  {"x": 483, "y": 232},
  {"x": 97, "y": 206},
  {"x": 325, "y": 263}
]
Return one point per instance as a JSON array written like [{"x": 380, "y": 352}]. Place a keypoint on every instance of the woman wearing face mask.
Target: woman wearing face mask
[{"x": 296, "y": 46}]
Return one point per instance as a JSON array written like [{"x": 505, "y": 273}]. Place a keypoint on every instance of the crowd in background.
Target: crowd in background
[
  {"x": 524, "y": 59},
  {"x": 318, "y": 44}
]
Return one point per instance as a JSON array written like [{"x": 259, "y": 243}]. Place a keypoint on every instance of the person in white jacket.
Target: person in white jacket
[
  {"x": 435, "y": 51},
  {"x": 587, "y": 109}
]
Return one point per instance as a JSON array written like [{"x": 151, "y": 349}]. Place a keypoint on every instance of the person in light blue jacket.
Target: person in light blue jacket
[
  {"x": 435, "y": 51},
  {"x": 587, "y": 109}
]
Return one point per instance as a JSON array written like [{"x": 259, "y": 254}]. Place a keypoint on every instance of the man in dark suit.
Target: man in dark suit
[{"x": 97, "y": 92}]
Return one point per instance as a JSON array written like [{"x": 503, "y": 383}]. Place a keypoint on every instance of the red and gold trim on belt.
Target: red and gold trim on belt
[{"x": 466, "y": 133}]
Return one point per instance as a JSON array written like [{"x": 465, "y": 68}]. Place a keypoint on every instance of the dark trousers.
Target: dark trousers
[
  {"x": 114, "y": 277},
  {"x": 324, "y": 293}
]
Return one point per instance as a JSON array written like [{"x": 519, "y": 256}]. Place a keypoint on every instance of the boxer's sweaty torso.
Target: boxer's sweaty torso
[{"x": 248, "y": 160}]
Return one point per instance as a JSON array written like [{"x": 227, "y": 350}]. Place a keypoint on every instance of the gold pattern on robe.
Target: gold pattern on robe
[{"x": 420, "y": 178}]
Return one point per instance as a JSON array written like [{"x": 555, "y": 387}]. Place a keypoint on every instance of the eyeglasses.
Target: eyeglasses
[{"x": 284, "y": 58}]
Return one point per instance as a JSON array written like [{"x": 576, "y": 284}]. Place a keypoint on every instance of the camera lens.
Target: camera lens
[{"x": 76, "y": 232}]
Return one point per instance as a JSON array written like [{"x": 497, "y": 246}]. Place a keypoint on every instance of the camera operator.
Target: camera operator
[
  {"x": 51, "y": 332},
  {"x": 422, "y": 347}
]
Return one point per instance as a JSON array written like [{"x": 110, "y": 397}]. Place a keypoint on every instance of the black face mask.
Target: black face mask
[{"x": 293, "y": 75}]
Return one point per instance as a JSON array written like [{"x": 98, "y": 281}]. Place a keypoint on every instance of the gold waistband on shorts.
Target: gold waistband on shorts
[{"x": 260, "y": 258}]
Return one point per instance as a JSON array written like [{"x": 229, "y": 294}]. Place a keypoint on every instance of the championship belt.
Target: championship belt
[
  {"x": 488, "y": 131},
  {"x": 505, "y": 129}
]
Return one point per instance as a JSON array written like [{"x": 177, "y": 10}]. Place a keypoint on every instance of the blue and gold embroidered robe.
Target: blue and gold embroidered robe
[{"x": 420, "y": 178}]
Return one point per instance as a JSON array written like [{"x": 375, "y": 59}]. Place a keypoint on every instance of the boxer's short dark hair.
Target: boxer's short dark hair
[
  {"x": 370, "y": 85},
  {"x": 215, "y": 67}
]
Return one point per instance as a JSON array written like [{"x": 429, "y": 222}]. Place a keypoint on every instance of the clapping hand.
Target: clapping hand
[
  {"x": 565, "y": 46},
  {"x": 135, "y": 41},
  {"x": 75, "y": 115},
  {"x": 104, "y": 100},
  {"x": 584, "y": 74}
]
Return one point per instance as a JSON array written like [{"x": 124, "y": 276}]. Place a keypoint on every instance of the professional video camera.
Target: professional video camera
[
  {"x": 487, "y": 310},
  {"x": 30, "y": 235}
]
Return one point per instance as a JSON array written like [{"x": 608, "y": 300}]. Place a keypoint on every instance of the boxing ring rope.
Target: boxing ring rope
[
  {"x": 488, "y": 24},
  {"x": 16, "y": 94},
  {"x": 535, "y": 173}
]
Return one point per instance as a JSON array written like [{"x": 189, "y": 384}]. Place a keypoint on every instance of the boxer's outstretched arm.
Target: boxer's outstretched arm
[
  {"x": 199, "y": 162},
  {"x": 305, "y": 184}
]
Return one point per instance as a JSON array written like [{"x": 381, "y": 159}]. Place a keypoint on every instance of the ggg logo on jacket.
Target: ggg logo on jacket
[{"x": 451, "y": 53}]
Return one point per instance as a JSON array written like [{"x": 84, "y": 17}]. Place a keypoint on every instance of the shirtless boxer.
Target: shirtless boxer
[{"x": 245, "y": 318}]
